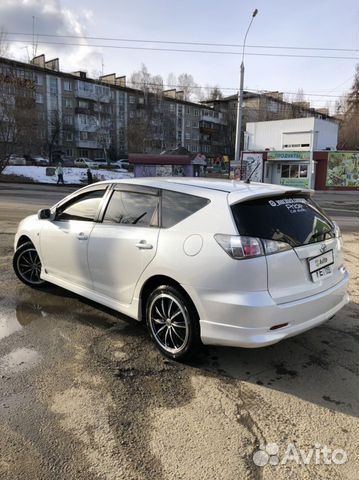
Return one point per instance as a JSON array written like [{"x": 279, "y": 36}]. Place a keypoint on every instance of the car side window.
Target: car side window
[
  {"x": 83, "y": 207},
  {"x": 132, "y": 208},
  {"x": 177, "y": 206}
]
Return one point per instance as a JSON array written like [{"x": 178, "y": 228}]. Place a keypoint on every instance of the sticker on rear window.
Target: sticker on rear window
[
  {"x": 286, "y": 201},
  {"x": 294, "y": 205}
]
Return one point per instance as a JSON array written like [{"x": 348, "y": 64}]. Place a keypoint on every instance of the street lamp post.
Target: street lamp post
[{"x": 237, "y": 155}]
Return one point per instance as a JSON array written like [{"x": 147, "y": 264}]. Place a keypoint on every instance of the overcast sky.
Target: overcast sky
[{"x": 301, "y": 23}]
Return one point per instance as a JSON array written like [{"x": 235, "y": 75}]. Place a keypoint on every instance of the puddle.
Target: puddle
[
  {"x": 27, "y": 312},
  {"x": 19, "y": 360}
]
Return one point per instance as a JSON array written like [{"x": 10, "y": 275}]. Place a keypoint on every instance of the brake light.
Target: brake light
[{"x": 239, "y": 247}]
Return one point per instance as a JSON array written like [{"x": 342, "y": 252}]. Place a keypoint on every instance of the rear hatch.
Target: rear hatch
[{"x": 312, "y": 260}]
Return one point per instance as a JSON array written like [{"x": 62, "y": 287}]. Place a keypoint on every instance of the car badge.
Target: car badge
[{"x": 323, "y": 248}]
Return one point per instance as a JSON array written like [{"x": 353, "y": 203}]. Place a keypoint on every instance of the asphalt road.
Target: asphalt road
[{"x": 85, "y": 395}]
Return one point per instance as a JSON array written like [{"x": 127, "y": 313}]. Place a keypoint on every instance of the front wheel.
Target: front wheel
[
  {"x": 27, "y": 266},
  {"x": 172, "y": 322}
]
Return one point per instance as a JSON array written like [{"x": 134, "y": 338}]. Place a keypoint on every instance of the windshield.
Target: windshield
[{"x": 296, "y": 220}]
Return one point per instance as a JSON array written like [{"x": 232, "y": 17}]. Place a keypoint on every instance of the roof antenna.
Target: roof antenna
[{"x": 251, "y": 174}]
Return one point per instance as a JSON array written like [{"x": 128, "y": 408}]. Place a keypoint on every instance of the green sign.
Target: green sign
[
  {"x": 276, "y": 155},
  {"x": 295, "y": 182},
  {"x": 343, "y": 169}
]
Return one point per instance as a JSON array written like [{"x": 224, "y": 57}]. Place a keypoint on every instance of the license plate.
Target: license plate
[
  {"x": 322, "y": 273},
  {"x": 321, "y": 266}
]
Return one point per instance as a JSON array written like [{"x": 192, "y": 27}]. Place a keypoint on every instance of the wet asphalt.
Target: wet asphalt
[{"x": 85, "y": 395}]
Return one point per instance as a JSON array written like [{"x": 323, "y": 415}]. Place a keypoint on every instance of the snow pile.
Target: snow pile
[{"x": 71, "y": 175}]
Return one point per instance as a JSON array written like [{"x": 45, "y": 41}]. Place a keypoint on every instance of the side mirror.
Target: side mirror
[{"x": 46, "y": 214}]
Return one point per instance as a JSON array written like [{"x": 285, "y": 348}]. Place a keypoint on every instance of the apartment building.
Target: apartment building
[
  {"x": 258, "y": 107},
  {"x": 85, "y": 117}
]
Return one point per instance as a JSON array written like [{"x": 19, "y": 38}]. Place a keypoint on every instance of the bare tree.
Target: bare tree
[
  {"x": 213, "y": 93},
  {"x": 299, "y": 96},
  {"x": 189, "y": 87},
  {"x": 19, "y": 119},
  {"x": 347, "y": 111}
]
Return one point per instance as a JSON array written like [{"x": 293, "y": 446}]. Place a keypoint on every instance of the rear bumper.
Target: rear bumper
[{"x": 245, "y": 320}]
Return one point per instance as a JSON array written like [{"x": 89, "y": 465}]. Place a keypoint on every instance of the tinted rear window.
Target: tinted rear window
[
  {"x": 178, "y": 206},
  {"x": 296, "y": 220}
]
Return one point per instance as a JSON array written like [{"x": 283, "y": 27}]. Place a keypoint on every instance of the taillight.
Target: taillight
[
  {"x": 338, "y": 234},
  {"x": 274, "y": 246},
  {"x": 240, "y": 247}
]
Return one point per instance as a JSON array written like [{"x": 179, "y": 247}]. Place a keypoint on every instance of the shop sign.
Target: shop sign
[
  {"x": 295, "y": 182},
  {"x": 276, "y": 155}
]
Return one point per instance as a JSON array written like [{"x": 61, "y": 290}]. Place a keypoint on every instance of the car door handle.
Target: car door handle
[
  {"x": 143, "y": 245},
  {"x": 82, "y": 236}
]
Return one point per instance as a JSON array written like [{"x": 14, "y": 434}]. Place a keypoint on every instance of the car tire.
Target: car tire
[
  {"x": 27, "y": 266},
  {"x": 172, "y": 322}
]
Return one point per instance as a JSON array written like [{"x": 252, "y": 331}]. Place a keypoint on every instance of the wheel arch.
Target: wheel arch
[
  {"x": 154, "y": 282},
  {"x": 22, "y": 240}
]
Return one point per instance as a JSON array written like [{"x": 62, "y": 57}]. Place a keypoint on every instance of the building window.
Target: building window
[
  {"x": 53, "y": 84},
  {"x": 53, "y": 102},
  {"x": 273, "y": 106},
  {"x": 195, "y": 124},
  {"x": 188, "y": 136},
  {"x": 83, "y": 104},
  {"x": 69, "y": 136},
  {"x": 68, "y": 120},
  {"x": 83, "y": 152},
  {"x": 196, "y": 112},
  {"x": 39, "y": 80},
  {"x": 188, "y": 110},
  {"x": 69, "y": 152},
  {"x": 67, "y": 86},
  {"x": 83, "y": 136},
  {"x": 39, "y": 98},
  {"x": 141, "y": 100},
  {"x": 68, "y": 103},
  {"x": 172, "y": 107},
  {"x": 132, "y": 114},
  {"x": 132, "y": 99}
]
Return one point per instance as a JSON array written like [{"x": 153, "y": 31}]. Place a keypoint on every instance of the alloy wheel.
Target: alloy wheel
[
  {"x": 29, "y": 266},
  {"x": 169, "y": 323}
]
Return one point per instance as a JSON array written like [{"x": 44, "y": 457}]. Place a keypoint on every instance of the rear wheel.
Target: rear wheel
[
  {"x": 172, "y": 322},
  {"x": 27, "y": 266}
]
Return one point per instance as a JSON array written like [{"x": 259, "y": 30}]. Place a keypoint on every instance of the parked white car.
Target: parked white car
[
  {"x": 83, "y": 162},
  {"x": 17, "y": 160},
  {"x": 199, "y": 260}
]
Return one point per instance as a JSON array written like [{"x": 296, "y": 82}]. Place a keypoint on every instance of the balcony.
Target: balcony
[
  {"x": 213, "y": 119},
  {"x": 88, "y": 144}
]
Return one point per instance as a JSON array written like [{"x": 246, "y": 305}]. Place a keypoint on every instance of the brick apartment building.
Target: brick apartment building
[{"x": 79, "y": 116}]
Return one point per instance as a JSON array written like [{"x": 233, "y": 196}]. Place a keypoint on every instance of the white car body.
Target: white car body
[{"x": 251, "y": 302}]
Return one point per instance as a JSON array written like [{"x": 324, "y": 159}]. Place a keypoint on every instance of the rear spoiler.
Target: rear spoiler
[{"x": 238, "y": 197}]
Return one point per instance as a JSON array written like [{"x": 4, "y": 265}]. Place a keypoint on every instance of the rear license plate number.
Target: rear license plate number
[{"x": 321, "y": 266}]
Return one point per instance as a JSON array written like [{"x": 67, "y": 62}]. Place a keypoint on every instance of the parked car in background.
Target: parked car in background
[
  {"x": 123, "y": 164},
  {"x": 39, "y": 160},
  {"x": 67, "y": 162},
  {"x": 16, "y": 160},
  {"x": 83, "y": 162},
  {"x": 197, "y": 260}
]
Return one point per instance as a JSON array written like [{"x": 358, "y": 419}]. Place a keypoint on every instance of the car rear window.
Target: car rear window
[{"x": 296, "y": 220}]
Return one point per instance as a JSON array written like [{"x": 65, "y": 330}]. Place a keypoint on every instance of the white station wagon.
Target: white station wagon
[{"x": 200, "y": 261}]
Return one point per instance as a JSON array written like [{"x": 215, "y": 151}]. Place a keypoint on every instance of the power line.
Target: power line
[
  {"x": 216, "y": 52},
  {"x": 171, "y": 42}
]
